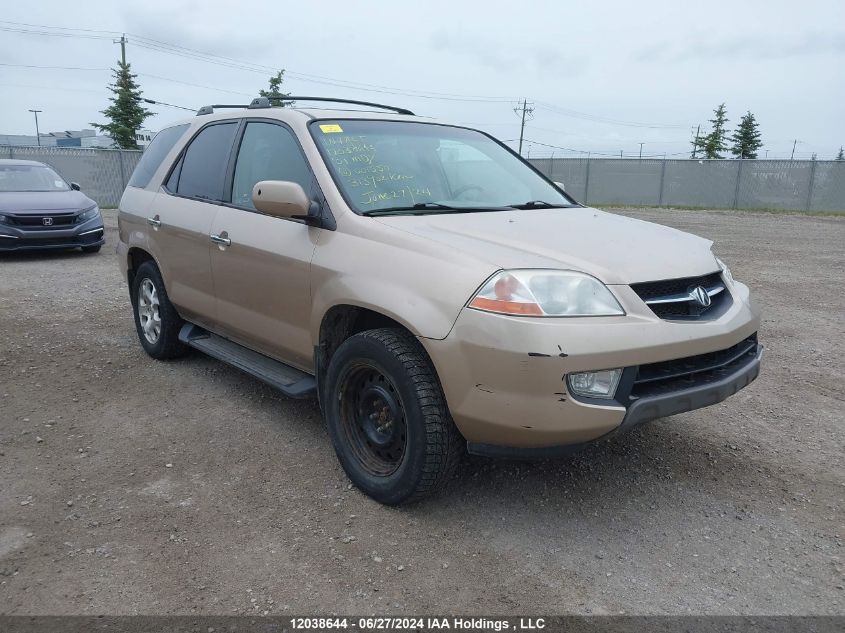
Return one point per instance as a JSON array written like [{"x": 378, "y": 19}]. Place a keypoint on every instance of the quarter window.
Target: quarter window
[
  {"x": 203, "y": 167},
  {"x": 154, "y": 154},
  {"x": 268, "y": 152}
]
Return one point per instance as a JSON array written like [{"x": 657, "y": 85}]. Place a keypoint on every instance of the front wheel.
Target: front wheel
[{"x": 388, "y": 418}]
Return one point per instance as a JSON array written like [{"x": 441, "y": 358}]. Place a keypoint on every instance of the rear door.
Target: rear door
[
  {"x": 182, "y": 216},
  {"x": 261, "y": 278}
]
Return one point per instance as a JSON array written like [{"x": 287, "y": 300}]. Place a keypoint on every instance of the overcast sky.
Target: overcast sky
[{"x": 602, "y": 76}]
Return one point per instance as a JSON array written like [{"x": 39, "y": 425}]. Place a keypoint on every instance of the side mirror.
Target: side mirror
[
  {"x": 75, "y": 186},
  {"x": 281, "y": 199},
  {"x": 560, "y": 185}
]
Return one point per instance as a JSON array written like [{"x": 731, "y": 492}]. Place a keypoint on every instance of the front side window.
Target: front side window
[
  {"x": 427, "y": 168},
  {"x": 203, "y": 166},
  {"x": 154, "y": 154},
  {"x": 267, "y": 152},
  {"x": 30, "y": 178}
]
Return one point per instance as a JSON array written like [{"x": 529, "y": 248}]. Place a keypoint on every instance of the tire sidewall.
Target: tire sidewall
[
  {"x": 148, "y": 270},
  {"x": 402, "y": 483}
]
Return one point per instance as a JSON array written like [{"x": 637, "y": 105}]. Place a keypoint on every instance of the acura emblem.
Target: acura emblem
[
  {"x": 700, "y": 296},
  {"x": 47, "y": 221}
]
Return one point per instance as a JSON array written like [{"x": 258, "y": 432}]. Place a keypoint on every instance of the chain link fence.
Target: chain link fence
[
  {"x": 712, "y": 184},
  {"x": 101, "y": 173}
]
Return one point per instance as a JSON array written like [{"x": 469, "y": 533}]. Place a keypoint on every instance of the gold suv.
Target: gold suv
[{"x": 435, "y": 291}]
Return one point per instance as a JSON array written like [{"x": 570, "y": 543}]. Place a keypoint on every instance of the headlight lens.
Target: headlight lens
[
  {"x": 726, "y": 272},
  {"x": 547, "y": 293},
  {"x": 89, "y": 214}
]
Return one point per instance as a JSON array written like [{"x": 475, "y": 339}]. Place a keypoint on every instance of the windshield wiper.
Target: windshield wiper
[
  {"x": 539, "y": 204},
  {"x": 429, "y": 207}
]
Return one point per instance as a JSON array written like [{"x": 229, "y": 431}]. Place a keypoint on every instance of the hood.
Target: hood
[
  {"x": 39, "y": 201},
  {"x": 613, "y": 248}
]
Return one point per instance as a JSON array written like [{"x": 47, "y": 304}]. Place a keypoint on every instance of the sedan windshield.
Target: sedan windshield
[
  {"x": 421, "y": 168},
  {"x": 30, "y": 178}
]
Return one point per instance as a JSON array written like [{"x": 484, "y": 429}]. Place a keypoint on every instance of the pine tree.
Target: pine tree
[
  {"x": 840, "y": 155},
  {"x": 746, "y": 138},
  {"x": 697, "y": 146},
  {"x": 275, "y": 92},
  {"x": 715, "y": 141},
  {"x": 126, "y": 113}
]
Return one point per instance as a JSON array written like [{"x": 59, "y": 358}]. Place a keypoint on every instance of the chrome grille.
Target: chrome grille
[{"x": 688, "y": 298}]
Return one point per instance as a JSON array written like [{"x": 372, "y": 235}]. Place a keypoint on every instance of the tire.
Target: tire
[
  {"x": 388, "y": 418},
  {"x": 92, "y": 249},
  {"x": 159, "y": 337}
]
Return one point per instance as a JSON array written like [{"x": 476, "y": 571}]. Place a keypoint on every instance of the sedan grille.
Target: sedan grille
[
  {"x": 690, "y": 298},
  {"x": 43, "y": 221}
]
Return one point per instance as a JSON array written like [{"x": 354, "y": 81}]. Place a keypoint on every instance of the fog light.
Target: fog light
[{"x": 595, "y": 384}]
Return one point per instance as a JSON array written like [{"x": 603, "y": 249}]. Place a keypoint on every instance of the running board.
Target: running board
[{"x": 290, "y": 381}]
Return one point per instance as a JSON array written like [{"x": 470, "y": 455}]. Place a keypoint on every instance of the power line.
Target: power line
[{"x": 601, "y": 119}]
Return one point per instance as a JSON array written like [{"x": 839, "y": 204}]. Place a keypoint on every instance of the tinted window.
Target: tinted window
[
  {"x": 154, "y": 154},
  {"x": 267, "y": 152},
  {"x": 204, "y": 164}
]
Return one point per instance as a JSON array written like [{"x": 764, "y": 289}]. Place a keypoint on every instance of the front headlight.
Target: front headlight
[
  {"x": 726, "y": 272},
  {"x": 89, "y": 214},
  {"x": 546, "y": 293}
]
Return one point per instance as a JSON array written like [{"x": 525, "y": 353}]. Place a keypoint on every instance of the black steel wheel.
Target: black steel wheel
[{"x": 388, "y": 418}]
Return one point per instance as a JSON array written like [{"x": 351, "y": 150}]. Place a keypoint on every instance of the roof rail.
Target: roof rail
[
  {"x": 265, "y": 102},
  {"x": 352, "y": 101},
  {"x": 258, "y": 102}
]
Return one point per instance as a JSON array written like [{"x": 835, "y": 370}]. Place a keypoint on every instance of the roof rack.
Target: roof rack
[{"x": 265, "y": 102}]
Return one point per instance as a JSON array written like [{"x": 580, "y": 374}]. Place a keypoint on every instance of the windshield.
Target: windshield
[
  {"x": 427, "y": 168},
  {"x": 30, "y": 178}
]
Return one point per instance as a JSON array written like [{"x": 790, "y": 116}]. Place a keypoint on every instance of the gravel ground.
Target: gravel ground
[{"x": 131, "y": 486}]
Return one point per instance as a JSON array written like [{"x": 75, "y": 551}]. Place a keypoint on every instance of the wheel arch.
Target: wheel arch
[
  {"x": 342, "y": 321},
  {"x": 135, "y": 257}
]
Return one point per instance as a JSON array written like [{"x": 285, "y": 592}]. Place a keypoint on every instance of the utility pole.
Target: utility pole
[
  {"x": 695, "y": 140},
  {"x": 641, "y": 150},
  {"x": 37, "y": 133},
  {"x": 525, "y": 111},
  {"x": 793, "y": 149},
  {"x": 122, "y": 42}
]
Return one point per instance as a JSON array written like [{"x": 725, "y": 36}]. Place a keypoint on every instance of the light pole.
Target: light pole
[{"x": 37, "y": 134}]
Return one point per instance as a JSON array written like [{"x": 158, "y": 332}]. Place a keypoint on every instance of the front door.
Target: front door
[{"x": 262, "y": 277}]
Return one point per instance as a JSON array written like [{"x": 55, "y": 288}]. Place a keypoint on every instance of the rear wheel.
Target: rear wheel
[
  {"x": 388, "y": 418},
  {"x": 156, "y": 320}
]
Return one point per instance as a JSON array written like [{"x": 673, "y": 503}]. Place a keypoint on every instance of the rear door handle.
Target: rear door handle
[
  {"x": 221, "y": 239},
  {"x": 154, "y": 222}
]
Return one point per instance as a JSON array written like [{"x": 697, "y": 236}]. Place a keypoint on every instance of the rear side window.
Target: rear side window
[
  {"x": 154, "y": 154},
  {"x": 203, "y": 167},
  {"x": 268, "y": 152}
]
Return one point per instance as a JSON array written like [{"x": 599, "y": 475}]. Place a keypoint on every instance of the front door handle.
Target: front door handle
[
  {"x": 221, "y": 239},
  {"x": 154, "y": 222}
]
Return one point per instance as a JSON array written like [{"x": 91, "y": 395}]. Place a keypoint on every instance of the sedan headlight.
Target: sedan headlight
[
  {"x": 89, "y": 214},
  {"x": 726, "y": 272},
  {"x": 546, "y": 293}
]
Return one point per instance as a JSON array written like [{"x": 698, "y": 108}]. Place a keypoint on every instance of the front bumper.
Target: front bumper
[
  {"x": 505, "y": 377},
  {"x": 13, "y": 238}
]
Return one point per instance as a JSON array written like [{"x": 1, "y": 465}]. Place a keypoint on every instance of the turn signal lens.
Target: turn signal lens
[{"x": 545, "y": 293}]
